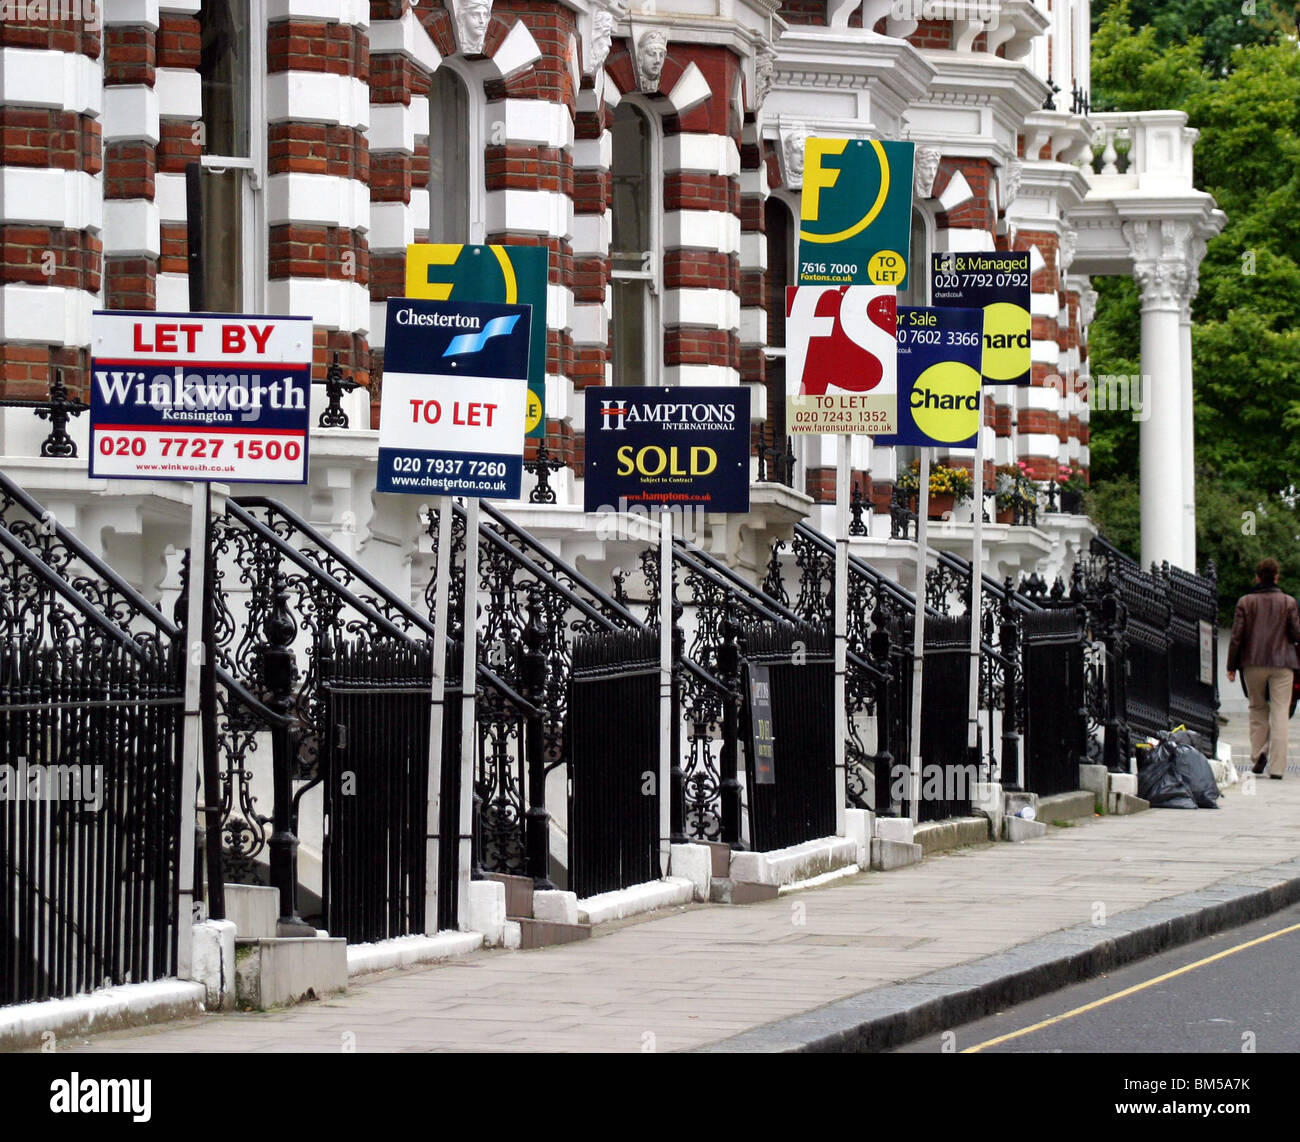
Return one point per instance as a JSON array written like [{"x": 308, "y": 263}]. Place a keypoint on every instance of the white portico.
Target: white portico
[{"x": 1143, "y": 216}]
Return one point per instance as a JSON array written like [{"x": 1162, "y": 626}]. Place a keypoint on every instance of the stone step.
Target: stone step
[
  {"x": 519, "y": 894},
  {"x": 547, "y": 933},
  {"x": 724, "y": 890},
  {"x": 253, "y": 909},
  {"x": 278, "y": 972},
  {"x": 1076, "y": 806},
  {"x": 721, "y": 858}
]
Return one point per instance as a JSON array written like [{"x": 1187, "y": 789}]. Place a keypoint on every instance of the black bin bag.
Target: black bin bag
[
  {"x": 1194, "y": 768},
  {"x": 1159, "y": 782}
]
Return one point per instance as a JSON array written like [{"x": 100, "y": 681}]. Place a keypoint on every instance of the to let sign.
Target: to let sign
[
  {"x": 184, "y": 396},
  {"x": 451, "y": 420},
  {"x": 841, "y": 359}
]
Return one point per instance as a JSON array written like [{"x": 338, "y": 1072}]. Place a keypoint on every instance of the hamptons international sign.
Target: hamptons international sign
[
  {"x": 184, "y": 396},
  {"x": 451, "y": 421},
  {"x": 667, "y": 447},
  {"x": 855, "y": 213}
]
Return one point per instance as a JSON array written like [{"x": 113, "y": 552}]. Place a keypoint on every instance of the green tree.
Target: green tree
[{"x": 1245, "y": 101}]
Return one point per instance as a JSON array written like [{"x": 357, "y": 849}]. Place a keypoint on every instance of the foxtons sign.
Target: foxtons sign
[
  {"x": 455, "y": 390},
  {"x": 183, "y": 396},
  {"x": 997, "y": 283},
  {"x": 667, "y": 447},
  {"x": 855, "y": 214}
]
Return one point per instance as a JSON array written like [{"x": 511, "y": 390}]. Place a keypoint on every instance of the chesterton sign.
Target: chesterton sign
[
  {"x": 998, "y": 283},
  {"x": 841, "y": 359},
  {"x": 507, "y": 275},
  {"x": 185, "y": 396},
  {"x": 667, "y": 447},
  {"x": 451, "y": 418}
]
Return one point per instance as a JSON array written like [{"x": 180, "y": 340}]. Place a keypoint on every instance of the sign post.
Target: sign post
[
  {"x": 667, "y": 448},
  {"x": 451, "y": 422},
  {"x": 998, "y": 283},
  {"x": 199, "y": 397}
]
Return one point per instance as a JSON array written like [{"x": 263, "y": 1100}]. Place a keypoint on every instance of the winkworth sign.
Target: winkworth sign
[
  {"x": 451, "y": 419},
  {"x": 184, "y": 396},
  {"x": 667, "y": 447}
]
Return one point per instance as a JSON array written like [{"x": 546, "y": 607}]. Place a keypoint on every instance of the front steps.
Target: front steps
[
  {"x": 538, "y": 919},
  {"x": 271, "y": 970}
]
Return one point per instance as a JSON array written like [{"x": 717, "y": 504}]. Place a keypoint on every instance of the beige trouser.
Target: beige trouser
[{"x": 1269, "y": 688}]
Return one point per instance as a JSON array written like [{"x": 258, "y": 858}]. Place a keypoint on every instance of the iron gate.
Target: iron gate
[
  {"x": 799, "y": 804},
  {"x": 613, "y": 753},
  {"x": 1056, "y": 716},
  {"x": 376, "y": 775},
  {"x": 946, "y": 771},
  {"x": 90, "y": 740}
]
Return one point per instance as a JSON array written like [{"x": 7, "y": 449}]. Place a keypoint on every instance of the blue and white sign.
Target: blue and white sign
[
  {"x": 667, "y": 447},
  {"x": 199, "y": 396},
  {"x": 939, "y": 356},
  {"x": 455, "y": 396}
]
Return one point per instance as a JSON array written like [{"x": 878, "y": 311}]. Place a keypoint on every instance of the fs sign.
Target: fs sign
[
  {"x": 509, "y": 275},
  {"x": 855, "y": 219},
  {"x": 668, "y": 447},
  {"x": 841, "y": 359},
  {"x": 997, "y": 283},
  {"x": 184, "y": 396},
  {"x": 451, "y": 421}
]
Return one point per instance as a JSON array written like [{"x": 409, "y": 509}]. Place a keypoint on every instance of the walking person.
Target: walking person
[{"x": 1265, "y": 631}]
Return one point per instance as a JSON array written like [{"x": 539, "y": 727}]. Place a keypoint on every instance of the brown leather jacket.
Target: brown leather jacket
[{"x": 1265, "y": 630}]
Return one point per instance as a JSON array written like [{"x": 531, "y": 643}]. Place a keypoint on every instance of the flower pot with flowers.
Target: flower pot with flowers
[
  {"x": 1015, "y": 493},
  {"x": 1071, "y": 483},
  {"x": 948, "y": 487}
]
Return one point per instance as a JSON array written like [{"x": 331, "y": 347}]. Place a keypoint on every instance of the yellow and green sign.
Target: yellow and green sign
[
  {"x": 855, "y": 212},
  {"x": 509, "y": 275}
]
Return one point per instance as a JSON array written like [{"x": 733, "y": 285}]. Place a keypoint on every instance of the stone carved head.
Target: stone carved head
[
  {"x": 651, "y": 51},
  {"x": 472, "y": 18}
]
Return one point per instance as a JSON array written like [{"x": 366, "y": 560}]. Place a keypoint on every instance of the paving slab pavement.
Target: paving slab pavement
[{"x": 790, "y": 972}]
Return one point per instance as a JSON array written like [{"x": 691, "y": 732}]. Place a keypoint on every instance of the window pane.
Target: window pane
[
  {"x": 223, "y": 271},
  {"x": 918, "y": 268},
  {"x": 631, "y": 301},
  {"x": 225, "y": 79},
  {"x": 448, "y": 158},
  {"x": 633, "y": 194}
]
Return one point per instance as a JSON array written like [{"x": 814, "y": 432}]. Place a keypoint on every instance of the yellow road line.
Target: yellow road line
[{"x": 1130, "y": 990}]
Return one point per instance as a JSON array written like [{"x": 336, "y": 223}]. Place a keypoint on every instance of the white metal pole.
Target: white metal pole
[
  {"x": 192, "y": 729},
  {"x": 918, "y": 633},
  {"x": 977, "y": 585},
  {"x": 842, "y": 495},
  {"x": 468, "y": 734},
  {"x": 666, "y": 736},
  {"x": 437, "y": 713}
]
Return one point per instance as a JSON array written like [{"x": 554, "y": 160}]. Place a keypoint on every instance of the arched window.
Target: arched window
[
  {"x": 918, "y": 264},
  {"x": 452, "y": 163},
  {"x": 634, "y": 253}
]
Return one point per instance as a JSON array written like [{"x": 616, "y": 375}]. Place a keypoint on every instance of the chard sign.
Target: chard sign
[
  {"x": 184, "y": 396},
  {"x": 997, "y": 283}
]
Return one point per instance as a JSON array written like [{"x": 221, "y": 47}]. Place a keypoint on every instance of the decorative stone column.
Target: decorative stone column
[
  {"x": 1160, "y": 250},
  {"x": 1186, "y": 427}
]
